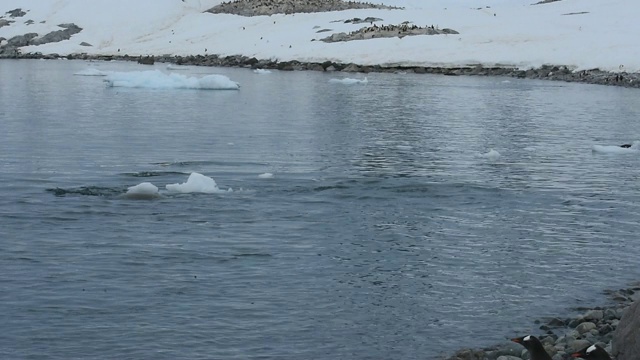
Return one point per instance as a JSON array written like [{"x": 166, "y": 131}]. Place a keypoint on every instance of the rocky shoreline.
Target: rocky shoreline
[
  {"x": 562, "y": 336},
  {"x": 546, "y": 72}
]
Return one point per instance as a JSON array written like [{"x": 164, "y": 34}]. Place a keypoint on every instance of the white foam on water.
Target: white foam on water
[
  {"x": 92, "y": 72},
  {"x": 155, "y": 79},
  {"x": 197, "y": 183},
  {"x": 262, "y": 71},
  {"x": 265, "y": 176},
  {"x": 349, "y": 81}
]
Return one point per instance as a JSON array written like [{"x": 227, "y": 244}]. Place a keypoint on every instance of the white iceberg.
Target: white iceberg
[
  {"x": 196, "y": 183},
  {"x": 142, "y": 191},
  {"x": 492, "y": 155},
  {"x": 155, "y": 79}
]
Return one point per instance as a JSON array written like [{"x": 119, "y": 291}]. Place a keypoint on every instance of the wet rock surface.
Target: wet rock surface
[{"x": 270, "y": 7}]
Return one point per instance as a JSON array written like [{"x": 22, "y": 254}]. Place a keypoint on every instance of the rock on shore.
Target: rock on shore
[
  {"x": 270, "y": 7},
  {"x": 563, "y": 336},
  {"x": 626, "y": 340}
]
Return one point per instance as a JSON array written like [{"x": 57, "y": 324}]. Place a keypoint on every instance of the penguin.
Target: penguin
[
  {"x": 593, "y": 352},
  {"x": 536, "y": 350}
]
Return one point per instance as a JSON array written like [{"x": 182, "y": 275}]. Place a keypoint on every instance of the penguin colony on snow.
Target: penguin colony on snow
[{"x": 270, "y": 7}]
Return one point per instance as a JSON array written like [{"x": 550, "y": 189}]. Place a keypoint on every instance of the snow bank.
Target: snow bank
[
  {"x": 155, "y": 79},
  {"x": 197, "y": 183}
]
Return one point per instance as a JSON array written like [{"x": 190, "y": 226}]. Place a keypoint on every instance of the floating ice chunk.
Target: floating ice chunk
[
  {"x": 142, "y": 191},
  {"x": 197, "y": 183},
  {"x": 177, "y": 67},
  {"x": 262, "y": 71},
  {"x": 265, "y": 176},
  {"x": 491, "y": 155},
  {"x": 155, "y": 79},
  {"x": 92, "y": 72},
  {"x": 614, "y": 149},
  {"x": 349, "y": 81}
]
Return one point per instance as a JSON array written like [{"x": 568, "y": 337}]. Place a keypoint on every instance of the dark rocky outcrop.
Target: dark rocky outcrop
[
  {"x": 626, "y": 339},
  {"x": 58, "y": 35},
  {"x": 146, "y": 60},
  {"x": 12, "y": 48},
  {"x": 545, "y": 2},
  {"x": 4, "y": 22},
  {"x": 387, "y": 31},
  {"x": 270, "y": 7},
  {"x": 21, "y": 40},
  {"x": 546, "y": 72},
  {"x": 16, "y": 13},
  {"x": 369, "y": 20}
]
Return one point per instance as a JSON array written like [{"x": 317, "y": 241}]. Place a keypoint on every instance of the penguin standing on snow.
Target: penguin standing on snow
[
  {"x": 536, "y": 350},
  {"x": 593, "y": 352}
]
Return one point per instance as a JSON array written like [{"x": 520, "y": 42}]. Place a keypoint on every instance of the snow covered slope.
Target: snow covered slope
[{"x": 580, "y": 33}]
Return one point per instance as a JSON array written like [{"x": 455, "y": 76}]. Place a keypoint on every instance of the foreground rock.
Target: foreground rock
[
  {"x": 563, "y": 336},
  {"x": 626, "y": 340},
  {"x": 270, "y": 7}
]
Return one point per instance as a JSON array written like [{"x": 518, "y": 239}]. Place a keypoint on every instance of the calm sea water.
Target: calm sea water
[{"x": 383, "y": 233}]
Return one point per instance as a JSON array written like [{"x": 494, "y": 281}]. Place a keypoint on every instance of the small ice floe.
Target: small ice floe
[
  {"x": 142, "y": 191},
  {"x": 197, "y": 183},
  {"x": 633, "y": 148},
  {"x": 349, "y": 81},
  {"x": 265, "y": 176},
  {"x": 491, "y": 155},
  {"x": 91, "y": 72},
  {"x": 262, "y": 71},
  {"x": 155, "y": 79},
  {"x": 177, "y": 67}
]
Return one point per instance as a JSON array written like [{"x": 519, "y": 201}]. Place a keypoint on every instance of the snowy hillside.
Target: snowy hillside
[{"x": 580, "y": 33}]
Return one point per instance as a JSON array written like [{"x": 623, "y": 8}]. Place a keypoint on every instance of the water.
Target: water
[{"x": 383, "y": 234}]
